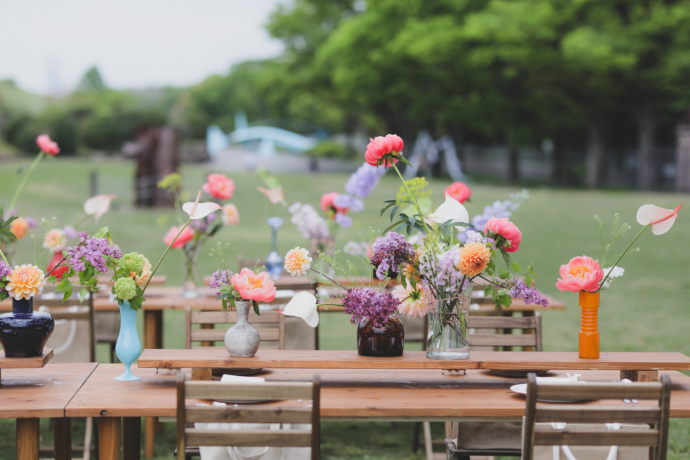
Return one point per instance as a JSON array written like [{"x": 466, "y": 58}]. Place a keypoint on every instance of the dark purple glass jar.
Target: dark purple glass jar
[
  {"x": 384, "y": 341},
  {"x": 24, "y": 333}
]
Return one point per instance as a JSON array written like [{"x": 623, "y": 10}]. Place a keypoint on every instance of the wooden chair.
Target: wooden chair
[
  {"x": 501, "y": 332},
  {"x": 236, "y": 434},
  {"x": 586, "y": 425}
]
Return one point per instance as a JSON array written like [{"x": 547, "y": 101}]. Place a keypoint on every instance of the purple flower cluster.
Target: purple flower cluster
[
  {"x": 368, "y": 303},
  {"x": 308, "y": 222},
  {"x": 389, "y": 252},
  {"x": 500, "y": 209},
  {"x": 530, "y": 295},
  {"x": 91, "y": 250},
  {"x": 4, "y": 269},
  {"x": 220, "y": 279},
  {"x": 363, "y": 181}
]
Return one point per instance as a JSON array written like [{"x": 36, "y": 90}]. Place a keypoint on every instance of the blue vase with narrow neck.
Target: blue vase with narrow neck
[
  {"x": 128, "y": 346},
  {"x": 274, "y": 263},
  {"x": 24, "y": 332}
]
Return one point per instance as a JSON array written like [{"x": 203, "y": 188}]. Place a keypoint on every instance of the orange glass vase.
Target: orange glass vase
[{"x": 589, "y": 324}]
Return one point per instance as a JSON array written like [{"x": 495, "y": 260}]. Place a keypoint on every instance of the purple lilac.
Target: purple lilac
[
  {"x": 389, "y": 252},
  {"x": 367, "y": 303},
  {"x": 91, "y": 250},
  {"x": 308, "y": 222},
  {"x": 30, "y": 221},
  {"x": 447, "y": 275},
  {"x": 70, "y": 232},
  {"x": 530, "y": 295},
  {"x": 4, "y": 269},
  {"x": 220, "y": 279},
  {"x": 363, "y": 181},
  {"x": 343, "y": 220}
]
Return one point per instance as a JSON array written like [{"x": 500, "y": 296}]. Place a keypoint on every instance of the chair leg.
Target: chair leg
[
  {"x": 415, "y": 436},
  {"x": 428, "y": 446},
  {"x": 87, "y": 438}
]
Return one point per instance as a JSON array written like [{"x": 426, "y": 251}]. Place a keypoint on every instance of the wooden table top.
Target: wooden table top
[
  {"x": 217, "y": 357},
  {"x": 26, "y": 363},
  {"x": 426, "y": 395},
  {"x": 44, "y": 392}
]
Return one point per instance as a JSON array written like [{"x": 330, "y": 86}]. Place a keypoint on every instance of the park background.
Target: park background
[{"x": 584, "y": 103}]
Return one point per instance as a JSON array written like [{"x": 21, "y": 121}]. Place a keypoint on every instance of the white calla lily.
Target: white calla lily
[
  {"x": 197, "y": 210},
  {"x": 452, "y": 210},
  {"x": 98, "y": 205},
  {"x": 661, "y": 219},
  {"x": 303, "y": 305}
]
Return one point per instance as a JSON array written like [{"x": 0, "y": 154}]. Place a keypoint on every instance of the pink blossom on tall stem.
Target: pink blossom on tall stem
[
  {"x": 459, "y": 191},
  {"x": 185, "y": 237},
  {"x": 251, "y": 286},
  {"x": 328, "y": 204},
  {"x": 391, "y": 145},
  {"x": 508, "y": 230},
  {"x": 581, "y": 274},
  {"x": 47, "y": 145},
  {"x": 219, "y": 186}
]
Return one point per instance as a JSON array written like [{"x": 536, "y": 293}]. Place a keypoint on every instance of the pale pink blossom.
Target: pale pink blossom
[
  {"x": 274, "y": 195},
  {"x": 98, "y": 205},
  {"x": 412, "y": 302},
  {"x": 581, "y": 274},
  {"x": 459, "y": 191},
  {"x": 252, "y": 286},
  {"x": 47, "y": 145},
  {"x": 508, "y": 230},
  {"x": 380, "y": 146},
  {"x": 230, "y": 214},
  {"x": 185, "y": 237},
  {"x": 55, "y": 240},
  {"x": 219, "y": 186}
]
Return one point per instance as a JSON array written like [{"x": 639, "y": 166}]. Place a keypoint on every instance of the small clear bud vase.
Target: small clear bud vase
[{"x": 447, "y": 315}]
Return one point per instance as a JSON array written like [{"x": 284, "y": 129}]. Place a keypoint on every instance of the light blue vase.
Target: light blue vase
[
  {"x": 274, "y": 263},
  {"x": 128, "y": 347}
]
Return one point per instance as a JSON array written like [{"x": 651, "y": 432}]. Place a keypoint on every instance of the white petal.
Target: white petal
[
  {"x": 202, "y": 209},
  {"x": 663, "y": 227},
  {"x": 303, "y": 305},
  {"x": 452, "y": 210},
  {"x": 649, "y": 212},
  {"x": 98, "y": 205}
]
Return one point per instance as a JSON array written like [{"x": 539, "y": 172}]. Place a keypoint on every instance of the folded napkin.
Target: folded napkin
[{"x": 228, "y": 378}]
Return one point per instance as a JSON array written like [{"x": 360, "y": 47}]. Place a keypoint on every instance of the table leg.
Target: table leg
[
  {"x": 109, "y": 438},
  {"x": 150, "y": 436},
  {"x": 62, "y": 438},
  {"x": 131, "y": 439},
  {"x": 27, "y": 438},
  {"x": 153, "y": 320}
]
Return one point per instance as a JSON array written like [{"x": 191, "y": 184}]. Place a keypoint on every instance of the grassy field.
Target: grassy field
[{"x": 646, "y": 310}]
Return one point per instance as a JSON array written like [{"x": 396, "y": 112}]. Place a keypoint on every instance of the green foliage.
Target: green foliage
[{"x": 330, "y": 149}]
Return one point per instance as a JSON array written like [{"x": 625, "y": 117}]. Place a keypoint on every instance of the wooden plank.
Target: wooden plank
[
  {"x": 283, "y": 438},
  {"x": 547, "y": 360},
  {"x": 271, "y": 414},
  {"x": 603, "y": 414},
  {"x": 109, "y": 438},
  {"x": 26, "y": 363},
  {"x": 267, "y": 390},
  {"x": 27, "y": 438},
  {"x": 131, "y": 437},
  {"x": 62, "y": 438}
]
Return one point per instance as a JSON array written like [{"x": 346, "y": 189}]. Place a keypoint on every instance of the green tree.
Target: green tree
[{"x": 92, "y": 81}]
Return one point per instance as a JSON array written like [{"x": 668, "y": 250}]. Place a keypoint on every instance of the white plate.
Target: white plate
[{"x": 522, "y": 389}]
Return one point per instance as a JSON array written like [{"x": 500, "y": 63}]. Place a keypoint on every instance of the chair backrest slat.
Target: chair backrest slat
[
  {"x": 597, "y": 438},
  {"x": 600, "y": 414},
  {"x": 502, "y": 331},
  {"x": 285, "y": 403}
]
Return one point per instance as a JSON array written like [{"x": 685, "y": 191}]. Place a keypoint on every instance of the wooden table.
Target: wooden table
[
  {"x": 31, "y": 394},
  {"x": 25, "y": 363},
  {"x": 366, "y": 395}
]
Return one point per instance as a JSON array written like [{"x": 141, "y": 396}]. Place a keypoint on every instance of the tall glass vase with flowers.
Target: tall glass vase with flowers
[
  {"x": 587, "y": 277},
  {"x": 438, "y": 281}
]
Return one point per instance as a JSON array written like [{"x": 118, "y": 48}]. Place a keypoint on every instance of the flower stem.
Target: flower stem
[
  {"x": 3, "y": 258},
  {"x": 164, "y": 254},
  {"x": 19, "y": 189},
  {"x": 415, "y": 203},
  {"x": 58, "y": 264},
  {"x": 328, "y": 278},
  {"x": 621, "y": 256}
]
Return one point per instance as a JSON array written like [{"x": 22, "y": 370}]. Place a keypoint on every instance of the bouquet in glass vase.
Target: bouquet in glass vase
[{"x": 449, "y": 256}]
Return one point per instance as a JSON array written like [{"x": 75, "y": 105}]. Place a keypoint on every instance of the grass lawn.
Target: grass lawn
[{"x": 646, "y": 310}]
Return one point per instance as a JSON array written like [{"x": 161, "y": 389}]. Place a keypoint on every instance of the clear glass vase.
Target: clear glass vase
[
  {"x": 447, "y": 336},
  {"x": 274, "y": 263},
  {"x": 190, "y": 291}
]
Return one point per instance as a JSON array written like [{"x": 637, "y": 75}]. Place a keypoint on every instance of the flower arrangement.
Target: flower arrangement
[
  {"x": 245, "y": 285},
  {"x": 190, "y": 239},
  {"x": 583, "y": 273}
]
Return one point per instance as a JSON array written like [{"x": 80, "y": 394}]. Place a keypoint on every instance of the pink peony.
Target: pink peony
[
  {"x": 185, "y": 237},
  {"x": 508, "y": 230},
  {"x": 219, "y": 186},
  {"x": 328, "y": 204},
  {"x": 46, "y": 145},
  {"x": 459, "y": 191},
  {"x": 581, "y": 274},
  {"x": 251, "y": 286},
  {"x": 380, "y": 146}
]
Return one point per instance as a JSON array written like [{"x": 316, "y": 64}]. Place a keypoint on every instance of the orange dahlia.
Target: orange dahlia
[
  {"x": 19, "y": 227},
  {"x": 474, "y": 257},
  {"x": 297, "y": 261},
  {"x": 25, "y": 281}
]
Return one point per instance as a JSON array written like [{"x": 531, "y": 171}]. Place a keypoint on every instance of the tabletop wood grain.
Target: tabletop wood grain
[{"x": 26, "y": 363}]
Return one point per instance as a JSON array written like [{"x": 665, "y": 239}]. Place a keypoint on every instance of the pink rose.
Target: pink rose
[
  {"x": 46, "y": 145},
  {"x": 459, "y": 191},
  {"x": 219, "y": 186},
  {"x": 328, "y": 204},
  {"x": 380, "y": 146},
  {"x": 253, "y": 286},
  {"x": 581, "y": 274},
  {"x": 185, "y": 237},
  {"x": 508, "y": 230}
]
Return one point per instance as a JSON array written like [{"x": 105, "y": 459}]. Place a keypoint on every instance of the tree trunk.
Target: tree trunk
[
  {"x": 513, "y": 159},
  {"x": 683, "y": 158},
  {"x": 560, "y": 165},
  {"x": 596, "y": 164},
  {"x": 646, "y": 169}
]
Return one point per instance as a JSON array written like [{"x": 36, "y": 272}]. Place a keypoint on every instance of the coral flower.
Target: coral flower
[
  {"x": 381, "y": 146},
  {"x": 474, "y": 258},
  {"x": 230, "y": 214},
  {"x": 297, "y": 261},
  {"x": 47, "y": 145},
  {"x": 508, "y": 230},
  {"x": 25, "y": 281},
  {"x": 52, "y": 263},
  {"x": 412, "y": 302},
  {"x": 219, "y": 186},
  {"x": 55, "y": 240},
  {"x": 145, "y": 273},
  {"x": 19, "y": 227},
  {"x": 251, "y": 286},
  {"x": 185, "y": 237},
  {"x": 459, "y": 191},
  {"x": 328, "y": 204},
  {"x": 581, "y": 274}
]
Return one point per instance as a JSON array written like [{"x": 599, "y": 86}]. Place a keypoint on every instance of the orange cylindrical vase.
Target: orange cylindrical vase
[{"x": 589, "y": 324}]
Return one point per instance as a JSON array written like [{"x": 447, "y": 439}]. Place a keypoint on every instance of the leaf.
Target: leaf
[
  {"x": 528, "y": 280},
  {"x": 82, "y": 294},
  {"x": 516, "y": 267},
  {"x": 401, "y": 221},
  {"x": 67, "y": 295},
  {"x": 506, "y": 257},
  {"x": 503, "y": 274},
  {"x": 404, "y": 160},
  {"x": 256, "y": 307},
  {"x": 385, "y": 208},
  {"x": 63, "y": 286},
  {"x": 394, "y": 211}
]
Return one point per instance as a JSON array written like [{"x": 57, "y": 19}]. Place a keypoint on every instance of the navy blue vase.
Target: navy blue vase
[{"x": 24, "y": 333}]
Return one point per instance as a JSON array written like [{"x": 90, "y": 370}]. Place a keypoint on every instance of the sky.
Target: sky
[{"x": 46, "y": 46}]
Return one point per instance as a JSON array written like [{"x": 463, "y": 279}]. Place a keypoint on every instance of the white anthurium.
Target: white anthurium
[
  {"x": 661, "y": 219},
  {"x": 303, "y": 305},
  {"x": 197, "y": 210},
  {"x": 452, "y": 210},
  {"x": 98, "y": 205}
]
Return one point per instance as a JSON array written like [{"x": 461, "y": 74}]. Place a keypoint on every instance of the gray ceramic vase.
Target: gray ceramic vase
[{"x": 242, "y": 340}]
